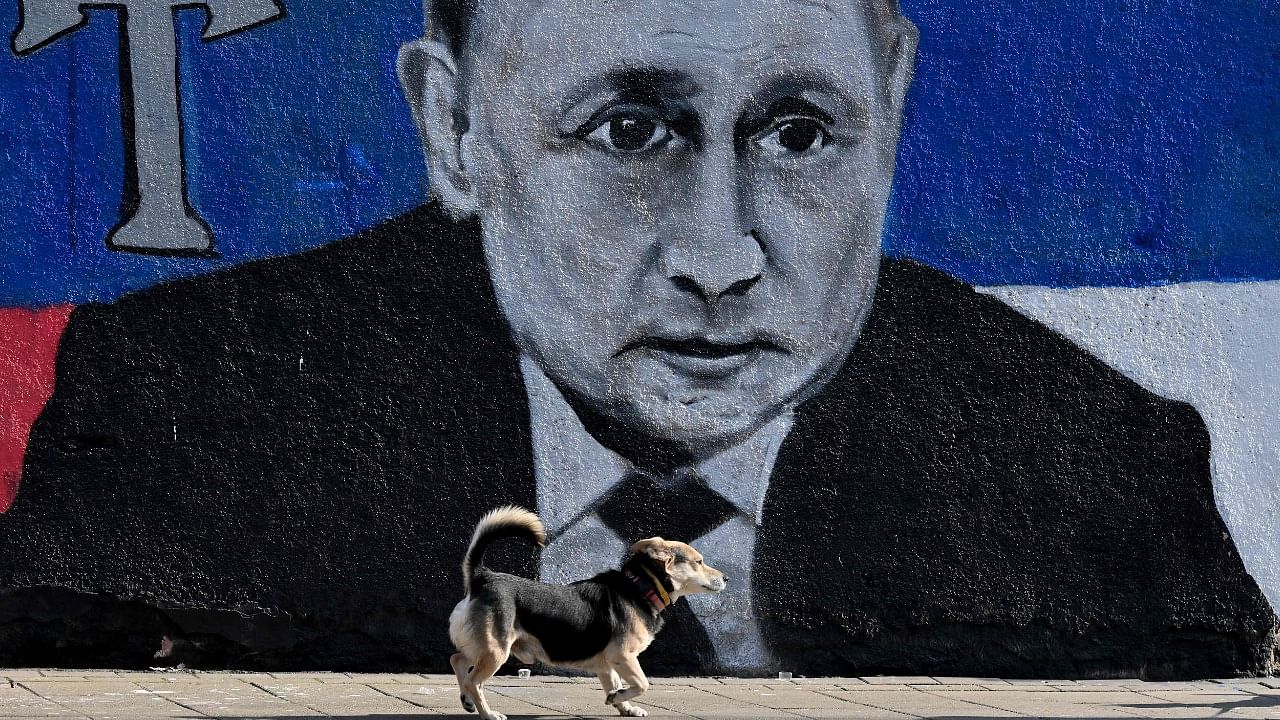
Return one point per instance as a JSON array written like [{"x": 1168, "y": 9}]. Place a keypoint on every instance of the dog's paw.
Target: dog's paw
[
  {"x": 628, "y": 710},
  {"x": 466, "y": 703},
  {"x": 495, "y": 716}
]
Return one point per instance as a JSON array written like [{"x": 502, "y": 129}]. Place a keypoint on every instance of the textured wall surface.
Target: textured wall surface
[{"x": 947, "y": 336}]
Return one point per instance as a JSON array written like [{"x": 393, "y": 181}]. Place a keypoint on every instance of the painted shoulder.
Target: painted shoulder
[{"x": 937, "y": 334}]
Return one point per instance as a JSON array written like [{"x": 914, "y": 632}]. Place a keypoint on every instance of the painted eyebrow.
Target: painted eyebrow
[
  {"x": 792, "y": 105},
  {"x": 854, "y": 106},
  {"x": 645, "y": 84}
]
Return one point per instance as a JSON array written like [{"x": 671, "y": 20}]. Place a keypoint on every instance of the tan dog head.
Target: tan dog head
[{"x": 680, "y": 564}]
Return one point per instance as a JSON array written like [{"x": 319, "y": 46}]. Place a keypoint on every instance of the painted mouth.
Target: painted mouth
[
  {"x": 697, "y": 347},
  {"x": 704, "y": 357}
]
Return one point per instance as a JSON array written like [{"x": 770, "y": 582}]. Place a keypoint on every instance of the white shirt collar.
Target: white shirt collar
[{"x": 574, "y": 470}]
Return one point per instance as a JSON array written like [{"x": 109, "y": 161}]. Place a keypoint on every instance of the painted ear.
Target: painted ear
[
  {"x": 902, "y": 60},
  {"x": 654, "y": 548},
  {"x": 429, "y": 75}
]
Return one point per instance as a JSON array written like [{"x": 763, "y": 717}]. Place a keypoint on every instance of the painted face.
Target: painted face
[{"x": 682, "y": 200}]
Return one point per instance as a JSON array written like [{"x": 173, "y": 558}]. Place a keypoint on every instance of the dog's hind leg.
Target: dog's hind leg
[
  {"x": 486, "y": 665},
  {"x": 461, "y": 666},
  {"x": 633, "y": 675},
  {"x": 611, "y": 683}
]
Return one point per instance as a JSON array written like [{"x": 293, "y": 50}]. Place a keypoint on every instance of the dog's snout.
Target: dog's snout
[{"x": 724, "y": 578}]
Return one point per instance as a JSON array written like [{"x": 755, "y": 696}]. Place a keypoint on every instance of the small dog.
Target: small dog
[{"x": 600, "y": 625}]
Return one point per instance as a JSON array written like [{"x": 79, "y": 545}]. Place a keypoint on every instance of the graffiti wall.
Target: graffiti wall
[{"x": 944, "y": 330}]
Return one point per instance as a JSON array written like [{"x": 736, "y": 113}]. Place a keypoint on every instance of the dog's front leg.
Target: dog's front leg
[
  {"x": 611, "y": 683},
  {"x": 637, "y": 683}
]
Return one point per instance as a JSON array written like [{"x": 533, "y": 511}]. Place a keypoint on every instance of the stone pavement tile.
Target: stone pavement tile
[
  {"x": 852, "y": 711},
  {"x": 780, "y": 698},
  {"x": 378, "y": 678},
  {"x": 1249, "y": 685},
  {"x": 707, "y": 705},
  {"x": 1143, "y": 686},
  {"x": 823, "y": 684},
  {"x": 445, "y": 700},
  {"x": 582, "y": 701},
  {"x": 1114, "y": 696},
  {"x": 1232, "y": 705},
  {"x": 1038, "y": 704},
  {"x": 858, "y": 686},
  {"x": 19, "y": 702},
  {"x": 108, "y": 699},
  {"x": 219, "y": 695},
  {"x": 1147, "y": 707},
  {"x": 348, "y": 699},
  {"x": 925, "y": 704},
  {"x": 958, "y": 688},
  {"x": 1024, "y": 688},
  {"x": 898, "y": 680},
  {"x": 942, "y": 680},
  {"x": 22, "y": 674},
  {"x": 1090, "y": 685}
]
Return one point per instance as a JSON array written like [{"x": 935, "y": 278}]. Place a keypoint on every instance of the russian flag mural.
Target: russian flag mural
[{"x": 947, "y": 330}]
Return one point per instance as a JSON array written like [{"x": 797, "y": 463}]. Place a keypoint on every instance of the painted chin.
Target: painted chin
[{"x": 702, "y": 400}]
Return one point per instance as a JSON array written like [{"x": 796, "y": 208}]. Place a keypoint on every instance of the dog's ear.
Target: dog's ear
[{"x": 655, "y": 549}]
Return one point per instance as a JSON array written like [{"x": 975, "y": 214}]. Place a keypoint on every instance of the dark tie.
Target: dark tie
[{"x": 678, "y": 507}]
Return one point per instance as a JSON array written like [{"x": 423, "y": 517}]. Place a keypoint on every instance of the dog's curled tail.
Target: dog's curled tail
[{"x": 504, "y": 522}]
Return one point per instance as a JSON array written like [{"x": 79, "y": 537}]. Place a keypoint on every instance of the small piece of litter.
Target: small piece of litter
[
  {"x": 426, "y": 691},
  {"x": 523, "y": 672},
  {"x": 784, "y": 676}
]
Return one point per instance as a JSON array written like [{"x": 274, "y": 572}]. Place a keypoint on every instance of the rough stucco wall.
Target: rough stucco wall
[{"x": 1213, "y": 346}]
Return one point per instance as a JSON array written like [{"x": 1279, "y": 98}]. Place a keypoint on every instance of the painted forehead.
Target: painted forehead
[{"x": 715, "y": 32}]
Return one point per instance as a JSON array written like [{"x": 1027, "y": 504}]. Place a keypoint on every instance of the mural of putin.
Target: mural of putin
[{"x": 647, "y": 298}]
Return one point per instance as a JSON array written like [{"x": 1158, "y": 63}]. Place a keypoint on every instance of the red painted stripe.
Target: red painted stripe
[{"x": 28, "y": 346}]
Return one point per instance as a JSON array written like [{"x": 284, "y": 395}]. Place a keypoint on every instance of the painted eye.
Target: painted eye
[
  {"x": 631, "y": 134},
  {"x": 794, "y": 136}
]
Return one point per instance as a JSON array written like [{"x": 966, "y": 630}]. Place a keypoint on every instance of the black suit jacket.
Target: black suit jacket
[{"x": 282, "y": 463}]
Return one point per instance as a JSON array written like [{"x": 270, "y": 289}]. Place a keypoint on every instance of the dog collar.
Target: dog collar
[{"x": 653, "y": 591}]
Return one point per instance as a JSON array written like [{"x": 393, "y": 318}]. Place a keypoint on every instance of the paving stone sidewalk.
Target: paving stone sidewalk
[{"x": 104, "y": 695}]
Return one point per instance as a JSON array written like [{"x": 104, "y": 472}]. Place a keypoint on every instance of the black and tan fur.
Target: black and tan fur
[{"x": 600, "y": 625}]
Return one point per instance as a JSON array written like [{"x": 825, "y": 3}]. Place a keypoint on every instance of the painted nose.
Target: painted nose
[{"x": 712, "y": 251}]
